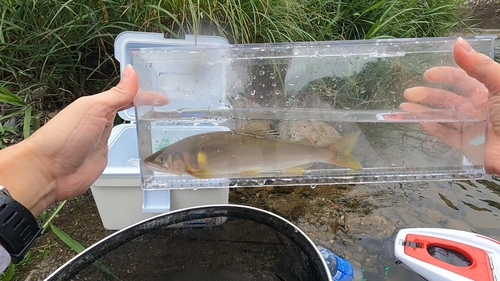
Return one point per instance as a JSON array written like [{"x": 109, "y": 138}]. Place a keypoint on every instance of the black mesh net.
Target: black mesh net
[{"x": 225, "y": 242}]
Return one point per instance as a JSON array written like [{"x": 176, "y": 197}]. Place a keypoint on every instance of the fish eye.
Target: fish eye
[{"x": 161, "y": 159}]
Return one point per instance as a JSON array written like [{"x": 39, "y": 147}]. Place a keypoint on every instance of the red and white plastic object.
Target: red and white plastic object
[{"x": 444, "y": 254}]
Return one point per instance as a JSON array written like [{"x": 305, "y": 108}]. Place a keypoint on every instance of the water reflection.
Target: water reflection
[{"x": 359, "y": 232}]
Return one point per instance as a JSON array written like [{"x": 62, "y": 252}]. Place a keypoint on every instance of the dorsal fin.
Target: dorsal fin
[{"x": 259, "y": 129}]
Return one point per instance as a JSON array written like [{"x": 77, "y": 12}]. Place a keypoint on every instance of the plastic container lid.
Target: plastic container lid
[{"x": 131, "y": 39}]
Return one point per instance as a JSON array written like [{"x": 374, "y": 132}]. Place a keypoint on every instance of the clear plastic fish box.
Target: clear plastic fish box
[{"x": 305, "y": 113}]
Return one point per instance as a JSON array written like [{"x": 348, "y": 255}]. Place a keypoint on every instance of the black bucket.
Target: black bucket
[{"x": 217, "y": 242}]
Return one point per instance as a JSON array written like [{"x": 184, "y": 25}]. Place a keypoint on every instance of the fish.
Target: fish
[{"x": 251, "y": 149}]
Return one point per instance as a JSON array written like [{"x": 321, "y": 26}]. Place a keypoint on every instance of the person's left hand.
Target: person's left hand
[{"x": 66, "y": 155}]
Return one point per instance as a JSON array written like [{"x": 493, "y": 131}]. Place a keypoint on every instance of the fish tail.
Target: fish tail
[{"x": 342, "y": 152}]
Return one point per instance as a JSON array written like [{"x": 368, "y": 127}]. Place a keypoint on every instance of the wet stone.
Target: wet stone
[
  {"x": 434, "y": 216},
  {"x": 458, "y": 225},
  {"x": 405, "y": 216},
  {"x": 320, "y": 132},
  {"x": 371, "y": 226}
]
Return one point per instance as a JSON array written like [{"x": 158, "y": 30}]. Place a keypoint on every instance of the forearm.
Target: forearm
[{"x": 22, "y": 176}]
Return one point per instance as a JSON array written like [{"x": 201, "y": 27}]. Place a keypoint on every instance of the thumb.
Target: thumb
[
  {"x": 122, "y": 95},
  {"x": 478, "y": 65},
  {"x": 486, "y": 71}
]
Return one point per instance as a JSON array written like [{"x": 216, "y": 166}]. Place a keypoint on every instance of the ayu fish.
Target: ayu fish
[{"x": 251, "y": 149}]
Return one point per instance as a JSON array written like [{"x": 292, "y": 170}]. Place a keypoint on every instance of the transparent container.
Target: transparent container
[{"x": 309, "y": 113}]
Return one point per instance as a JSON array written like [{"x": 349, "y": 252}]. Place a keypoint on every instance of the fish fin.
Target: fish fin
[
  {"x": 298, "y": 169},
  {"x": 294, "y": 171},
  {"x": 199, "y": 173},
  {"x": 346, "y": 144},
  {"x": 306, "y": 141},
  {"x": 347, "y": 161},
  {"x": 202, "y": 159},
  {"x": 250, "y": 173},
  {"x": 259, "y": 129},
  {"x": 342, "y": 152}
]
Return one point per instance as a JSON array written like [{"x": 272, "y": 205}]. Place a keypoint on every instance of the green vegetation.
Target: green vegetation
[
  {"x": 349, "y": 20},
  {"x": 54, "y": 51}
]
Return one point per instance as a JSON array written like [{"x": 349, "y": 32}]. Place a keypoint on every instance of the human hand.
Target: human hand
[
  {"x": 478, "y": 79},
  {"x": 66, "y": 155}
]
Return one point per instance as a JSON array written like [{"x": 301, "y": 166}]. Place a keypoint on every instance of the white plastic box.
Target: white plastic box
[{"x": 117, "y": 192}]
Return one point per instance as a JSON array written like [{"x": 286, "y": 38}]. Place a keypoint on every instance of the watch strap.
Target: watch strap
[{"x": 19, "y": 229}]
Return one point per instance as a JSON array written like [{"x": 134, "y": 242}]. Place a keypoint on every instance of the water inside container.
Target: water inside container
[{"x": 299, "y": 148}]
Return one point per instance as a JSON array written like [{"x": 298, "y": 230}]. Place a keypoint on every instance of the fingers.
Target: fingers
[
  {"x": 453, "y": 76},
  {"x": 453, "y": 119},
  {"x": 486, "y": 71},
  {"x": 473, "y": 107},
  {"x": 465, "y": 140},
  {"x": 150, "y": 98},
  {"x": 121, "y": 95},
  {"x": 445, "y": 134},
  {"x": 432, "y": 96},
  {"x": 478, "y": 65}
]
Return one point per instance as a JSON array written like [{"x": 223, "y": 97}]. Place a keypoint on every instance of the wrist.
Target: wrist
[{"x": 22, "y": 174}]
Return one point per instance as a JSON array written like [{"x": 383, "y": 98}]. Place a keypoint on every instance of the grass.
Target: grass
[
  {"x": 52, "y": 52},
  {"x": 344, "y": 20}
]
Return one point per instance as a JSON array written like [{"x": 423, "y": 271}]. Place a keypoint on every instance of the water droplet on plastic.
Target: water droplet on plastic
[
  {"x": 157, "y": 101},
  {"x": 262, "y": 72},
  {"x": 252, "y": 92},
  {"x": 313, "y": 186}
]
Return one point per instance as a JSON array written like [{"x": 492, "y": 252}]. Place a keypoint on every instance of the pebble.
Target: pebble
[
  {"x": 434, "y": 215},
  {"x": 370, "y": 226},
  {"x": 405, "y": 216},
  {"x": 459, "y": 225},
  {"x": 320, "y": 132},
  {"x": 10, "y": 123}
]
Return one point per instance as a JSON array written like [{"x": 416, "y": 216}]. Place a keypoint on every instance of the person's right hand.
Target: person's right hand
[{"x": 479, "y": 78}]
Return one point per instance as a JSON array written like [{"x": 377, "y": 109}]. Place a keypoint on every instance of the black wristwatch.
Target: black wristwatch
[{"x": 19, "y": 229}]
